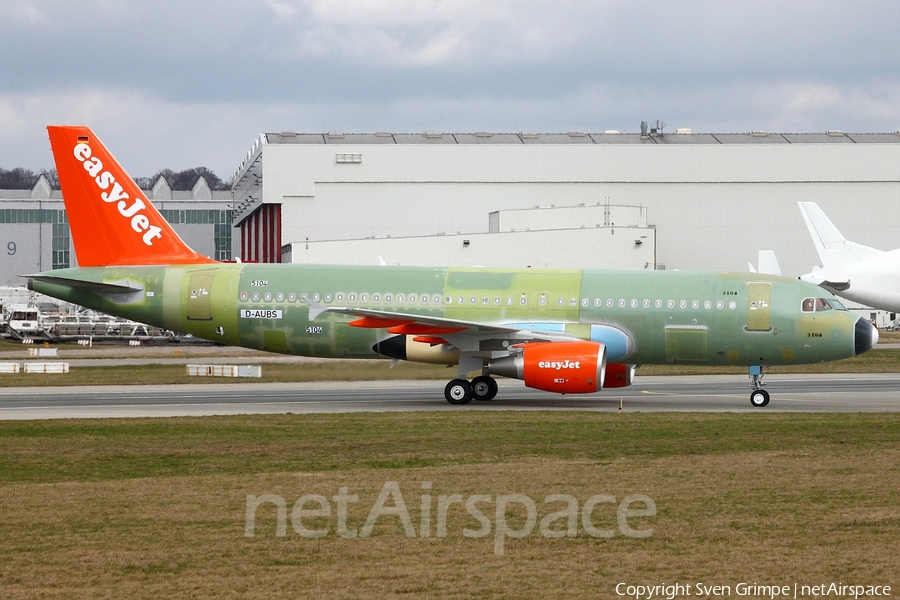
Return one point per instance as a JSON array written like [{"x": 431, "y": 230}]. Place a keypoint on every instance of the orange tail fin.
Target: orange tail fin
[{"x": 112, "y": 221}]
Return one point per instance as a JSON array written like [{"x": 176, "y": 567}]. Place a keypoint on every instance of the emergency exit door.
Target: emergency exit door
[{"x": 198, "y": 297}]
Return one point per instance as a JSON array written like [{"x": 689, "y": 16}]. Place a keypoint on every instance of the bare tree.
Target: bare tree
[
  {"x": 187, "y": 179},
  {"x": 17, "y": 179}
]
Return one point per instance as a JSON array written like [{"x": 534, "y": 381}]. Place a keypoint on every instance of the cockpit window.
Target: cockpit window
[
  {"x": 821, "y": 304},
  {"x": 836, "y": 304}
]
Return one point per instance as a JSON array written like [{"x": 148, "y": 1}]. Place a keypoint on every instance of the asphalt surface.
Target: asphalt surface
[{"x": 708, "y": 393}]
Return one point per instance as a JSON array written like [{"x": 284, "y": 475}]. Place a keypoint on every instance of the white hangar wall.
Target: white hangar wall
[
  {"x": 714, "y": 204},
  {"x": 597, "y": 248}
]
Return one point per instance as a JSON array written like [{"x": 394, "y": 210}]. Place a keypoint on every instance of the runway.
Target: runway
[{"x": 708, "y": 393}]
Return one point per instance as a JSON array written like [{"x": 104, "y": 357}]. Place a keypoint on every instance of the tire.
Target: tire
[
  {"x": 759, "y": 398},
  {"x": 484, "y": 388},
  {"x": 458, "y": 391}
]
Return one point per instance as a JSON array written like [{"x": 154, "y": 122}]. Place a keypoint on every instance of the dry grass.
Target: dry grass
[{"x": 156, "y": 508}]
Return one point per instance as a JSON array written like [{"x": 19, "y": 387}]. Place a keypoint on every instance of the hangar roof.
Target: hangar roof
[{"x": 577, "y": 137}]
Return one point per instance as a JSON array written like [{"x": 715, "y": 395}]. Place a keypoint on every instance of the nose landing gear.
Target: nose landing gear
[{"x": 758, "y": 397}]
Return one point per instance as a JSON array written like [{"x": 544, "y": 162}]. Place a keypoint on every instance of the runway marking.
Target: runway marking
[{"x": 671, "y": 395}]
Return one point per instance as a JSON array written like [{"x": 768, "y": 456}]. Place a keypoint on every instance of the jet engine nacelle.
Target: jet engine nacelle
[{"x": 561, "y": 367}]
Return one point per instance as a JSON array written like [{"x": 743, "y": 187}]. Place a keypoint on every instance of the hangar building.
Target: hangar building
[
  {"x": 34, "y": 230},
  {"x": 704, "y": 201}
]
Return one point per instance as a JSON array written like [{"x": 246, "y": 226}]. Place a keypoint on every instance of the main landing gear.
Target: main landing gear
[
  {"x": 758, "y": 397},
  {"x": 460, "y": 391}
]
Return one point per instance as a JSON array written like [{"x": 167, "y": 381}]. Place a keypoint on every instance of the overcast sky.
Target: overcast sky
[{"x": 187, "y": 83}]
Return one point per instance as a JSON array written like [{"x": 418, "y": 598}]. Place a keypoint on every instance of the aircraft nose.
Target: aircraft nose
[{"x": 866, "y": 336}]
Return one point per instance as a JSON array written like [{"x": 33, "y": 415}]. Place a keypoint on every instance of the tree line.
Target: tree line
[{"x": 24, "y": 179}]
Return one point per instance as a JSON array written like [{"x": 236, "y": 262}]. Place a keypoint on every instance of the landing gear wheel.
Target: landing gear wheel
[
  {"x": 484, "y": 387},
  {"x": 759, "y": 398},
  {"x": 458, "y": 391}
]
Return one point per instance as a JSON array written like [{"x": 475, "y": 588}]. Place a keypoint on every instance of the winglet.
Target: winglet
[{"x": 112, "y": 221}]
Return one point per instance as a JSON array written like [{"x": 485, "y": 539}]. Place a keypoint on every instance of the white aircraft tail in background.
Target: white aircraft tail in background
[
  {"x": 767, "y": 263},
  {"x": 854, "y": 271}
]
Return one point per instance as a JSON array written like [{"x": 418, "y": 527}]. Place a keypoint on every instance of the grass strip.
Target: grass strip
[{"x": 149, "y": 508}]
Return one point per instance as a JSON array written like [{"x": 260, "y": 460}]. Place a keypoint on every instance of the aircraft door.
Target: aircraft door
[
  {"x": 198, "y": 297},
  {"x": 759, "y": 312}
]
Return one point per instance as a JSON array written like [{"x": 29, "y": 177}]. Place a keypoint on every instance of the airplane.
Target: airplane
[
  {"x": 559, "y": 330},
  {"x": 851, "y": 270}
]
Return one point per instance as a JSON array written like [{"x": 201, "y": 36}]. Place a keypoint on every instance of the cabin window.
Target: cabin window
[
  {"x": 695, "y": 304},
  {"x": 598, "y": 302},
  {"x": 244, "y": 296},
  {"x": 720, "y": 305},
  {"x": 659, "y": 304},
  {"x": 707, "y": 305}
]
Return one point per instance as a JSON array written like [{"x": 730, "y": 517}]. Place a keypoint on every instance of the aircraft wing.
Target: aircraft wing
[{"x": 467, "y": 336}]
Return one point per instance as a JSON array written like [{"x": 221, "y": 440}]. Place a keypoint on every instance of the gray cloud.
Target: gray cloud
[{"x": 175, "y": 84}]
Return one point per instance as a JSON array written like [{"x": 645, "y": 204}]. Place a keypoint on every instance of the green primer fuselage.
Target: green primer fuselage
[{"x": 669, "y": 316}]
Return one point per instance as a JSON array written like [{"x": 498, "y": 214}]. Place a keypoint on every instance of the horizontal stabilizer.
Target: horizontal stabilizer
[
  {"x": 834, "y": 273},
  {"x": 121, "y": 292}
]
